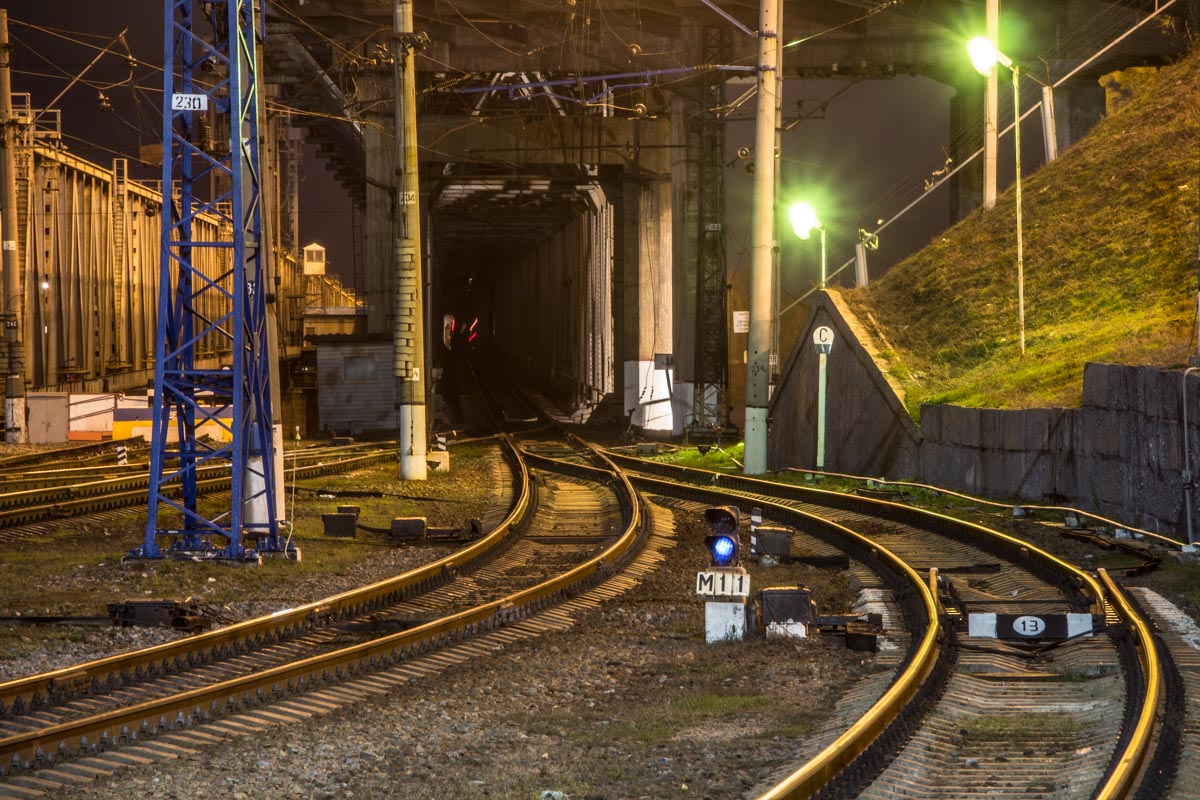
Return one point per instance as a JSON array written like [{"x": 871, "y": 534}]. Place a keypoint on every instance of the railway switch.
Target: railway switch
[
  {"x": 340, "y": 525},
  {"x": 772, "y": 541},
  {"x": 786, "y": 611},
  {"x": 408, "y": 529}
]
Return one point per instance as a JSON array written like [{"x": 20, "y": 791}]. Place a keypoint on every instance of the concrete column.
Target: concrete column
[
  {"x": 1078, "y": 105},
  {"x": 966, "y": 186},
  {"x": 648, "y": 282},
  {"x": 991, "y": 111}
]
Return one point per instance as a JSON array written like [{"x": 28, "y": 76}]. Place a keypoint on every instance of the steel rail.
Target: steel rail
[
  {"x": 808, "y": 779},
  {"x": 858, "y": 737},
  {"x": 131, "y": 490},
  {"x": 1166, "y": 541},
  {"x": 34, "y": 690},
  {"x": 63, "y": 452},
  {"x": 84, "y": 736},
  {"x": 1121, "y": 782},
  {"x": 51, "y": 490},
  {"x": 38, "y": 479},
  {"x": 947, "y": 525}
]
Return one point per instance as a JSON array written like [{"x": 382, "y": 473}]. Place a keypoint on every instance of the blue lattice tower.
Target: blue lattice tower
[{"x": 212, "y": 295}]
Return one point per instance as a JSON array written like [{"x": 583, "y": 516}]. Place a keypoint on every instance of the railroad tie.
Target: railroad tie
[{"x": 17, "y": 791}]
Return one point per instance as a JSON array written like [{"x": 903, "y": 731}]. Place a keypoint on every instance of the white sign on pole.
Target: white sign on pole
[
  {"x": 823, "y": 339},
  {"x": 741, "y": 322}
]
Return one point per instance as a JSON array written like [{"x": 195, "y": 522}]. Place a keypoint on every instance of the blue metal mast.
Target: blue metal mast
[{"x": 211, "y": 421}]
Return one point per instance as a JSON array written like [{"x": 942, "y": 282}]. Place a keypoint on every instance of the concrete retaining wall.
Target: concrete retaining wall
[{"x": 1119, "y": 455}]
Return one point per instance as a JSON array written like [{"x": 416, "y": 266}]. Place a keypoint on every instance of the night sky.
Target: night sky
[
  {"x": 45, "y": 60},
  {"x": 860, "y": 159}
]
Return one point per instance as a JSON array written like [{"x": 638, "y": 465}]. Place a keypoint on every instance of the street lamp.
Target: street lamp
[
  {"x": 984, "y": 57},
  {"x": 804, "y": 221}
]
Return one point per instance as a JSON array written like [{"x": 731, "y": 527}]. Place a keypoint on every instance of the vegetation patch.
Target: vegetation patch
[
  {"x": 1019, "y": 727},
  {"x": 1110, "y": 238},
  {"x": 727, "y": 458}
]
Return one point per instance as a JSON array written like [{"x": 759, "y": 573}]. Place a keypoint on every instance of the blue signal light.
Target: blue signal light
[
  {"x": 723, "y": 544},
  {"x": 724, "y": 549}
]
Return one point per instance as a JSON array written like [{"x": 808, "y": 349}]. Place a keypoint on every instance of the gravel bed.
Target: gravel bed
[{"x": 628, "y": 703}]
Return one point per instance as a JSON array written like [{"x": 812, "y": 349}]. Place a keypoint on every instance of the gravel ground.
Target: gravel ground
[{"x": 628, "y": 703}]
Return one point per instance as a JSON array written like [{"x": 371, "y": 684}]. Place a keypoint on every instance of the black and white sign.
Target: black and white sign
[
  {"x": 723, "y": 583},
  {"x": 189, "y": 102},
  {"x": 823, "y": 339},
  {"x": 741, "y": 322},
  {"x": 1029, "y": 626}
]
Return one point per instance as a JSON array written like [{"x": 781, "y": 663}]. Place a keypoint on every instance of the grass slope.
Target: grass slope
[{"x": 1110, "y": 267}]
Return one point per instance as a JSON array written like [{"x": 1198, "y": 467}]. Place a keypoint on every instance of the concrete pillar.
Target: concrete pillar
[
  {"x": 1078, "y": 105},
  {"x": 966, "y": 109},
  {"x": 648, "y": 319}
]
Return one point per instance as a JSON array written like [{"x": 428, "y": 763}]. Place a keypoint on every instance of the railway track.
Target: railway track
[
  {"x": 979, "y": 716},
  {"x": 32, "y": 498},
  {"x": 571, "y": 528},
  {"x": 946, "y": 715}
]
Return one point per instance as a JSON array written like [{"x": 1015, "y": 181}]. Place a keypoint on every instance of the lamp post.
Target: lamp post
[
  {"x": 984, "y": 57},
  {"x": 804, "y": 221}
]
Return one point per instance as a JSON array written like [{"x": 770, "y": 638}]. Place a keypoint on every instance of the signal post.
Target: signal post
[{"x": 726, "y": 582}]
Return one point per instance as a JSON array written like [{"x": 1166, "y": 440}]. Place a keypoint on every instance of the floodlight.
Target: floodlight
[
  {"x": 985, "y": 56},
  {"x": 804, "y": 219}
]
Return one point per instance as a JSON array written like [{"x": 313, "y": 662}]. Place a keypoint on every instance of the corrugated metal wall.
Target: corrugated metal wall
[
  {"x": 89, "y": 242},
  {"x": 560, "y": 300}
]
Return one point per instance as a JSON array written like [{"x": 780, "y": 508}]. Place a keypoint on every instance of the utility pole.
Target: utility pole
[
  {"x": 991, "y": 111},
  {"x": 776, "y": 361},
  {"x": 14, "y": 306},
  {"x": 758, "y": 369},
  {"x": 408, "y": 332}
]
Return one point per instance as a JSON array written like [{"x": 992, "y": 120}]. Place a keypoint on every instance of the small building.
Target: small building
[
  {"x": 314, "y": 259},
  {"x": 355, "y": 385},
  {"x": 330, "y": 307}
]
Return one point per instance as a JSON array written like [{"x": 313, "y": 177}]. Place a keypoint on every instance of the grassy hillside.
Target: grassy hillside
[{"x": 1110, "y": 267}]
